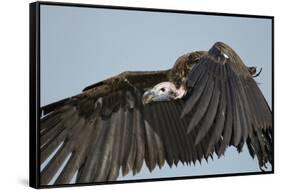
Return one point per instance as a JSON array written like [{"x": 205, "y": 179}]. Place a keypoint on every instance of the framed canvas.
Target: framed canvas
[{"x": 126, "y": 94}]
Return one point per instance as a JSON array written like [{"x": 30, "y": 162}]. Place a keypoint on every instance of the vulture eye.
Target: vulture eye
[{"x": 163, "y": 89}]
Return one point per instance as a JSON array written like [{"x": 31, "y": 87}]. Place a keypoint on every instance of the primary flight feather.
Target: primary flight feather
[{"x": 205, "y": 103}]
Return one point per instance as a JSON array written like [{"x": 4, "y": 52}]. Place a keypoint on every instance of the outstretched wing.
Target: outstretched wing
[
  {"x": 224, "y": 100},
  {"x": 106, "y": 129}
]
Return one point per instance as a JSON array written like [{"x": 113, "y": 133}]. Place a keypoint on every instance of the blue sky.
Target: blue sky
[{"x": 81, "y": 46}]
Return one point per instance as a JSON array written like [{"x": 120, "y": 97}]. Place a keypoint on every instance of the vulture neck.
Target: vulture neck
[
  {"x": 182, "y": 67},
  {"x": 180, "y": 92}
]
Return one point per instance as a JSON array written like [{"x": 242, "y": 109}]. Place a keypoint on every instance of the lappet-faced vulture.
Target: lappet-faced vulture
[{"x": 205, "y": 103}]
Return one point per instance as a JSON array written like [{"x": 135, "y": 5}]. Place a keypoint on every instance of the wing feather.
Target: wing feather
[
  {"x": 211, "y": 113},
  {"x": 167, "y": 135},
  {"x": 140, "y": 141},
  {"x": 172, "y": 131},
  {"x": 185, "y": 145},
  {"x": 127, "y": 141},
  {"x": 126, "y": 164},
  {"x": 237, "y": 131},
  {"x": 152, "y": 122},
  {"x": 89, "y": 166},
  {"x": 202, "y": 105},
  {"x": 220, "y": 120},
  {"x": 115, "y": 163},
  {"x": 195, "y": 95},
  {"x": 77, "y": 156},
  {"x": 150, "y": 147},
  {"x": 53, "y": 165}
]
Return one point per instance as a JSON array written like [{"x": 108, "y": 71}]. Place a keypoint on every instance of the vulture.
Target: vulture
[{"x": 207, "y": 102}]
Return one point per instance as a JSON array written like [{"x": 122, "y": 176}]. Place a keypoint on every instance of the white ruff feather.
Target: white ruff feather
[{"x": 226, "y": 56}]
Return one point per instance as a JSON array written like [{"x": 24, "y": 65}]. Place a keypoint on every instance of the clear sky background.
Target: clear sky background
[{"x": 81, "y": 46}]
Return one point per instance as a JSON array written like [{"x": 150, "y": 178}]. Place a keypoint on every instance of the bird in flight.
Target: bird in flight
[{"x": 207, "y": 102}]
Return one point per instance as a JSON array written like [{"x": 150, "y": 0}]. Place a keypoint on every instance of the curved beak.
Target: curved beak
[{"x": 148, "y": 96}]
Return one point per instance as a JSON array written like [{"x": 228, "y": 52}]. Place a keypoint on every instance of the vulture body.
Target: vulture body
[{"x": 205, "y": 103}]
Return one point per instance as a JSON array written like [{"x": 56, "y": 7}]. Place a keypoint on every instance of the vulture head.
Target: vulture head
[{"x": 164, "y": 91}]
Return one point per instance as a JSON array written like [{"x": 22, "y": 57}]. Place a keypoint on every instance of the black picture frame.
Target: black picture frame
[{"x": 34, "y": 82}]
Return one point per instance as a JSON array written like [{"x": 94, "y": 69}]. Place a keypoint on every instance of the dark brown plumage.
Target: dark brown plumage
[
  {"x": 181, "y": 69},
  {"x": 107, "y": 128}
]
